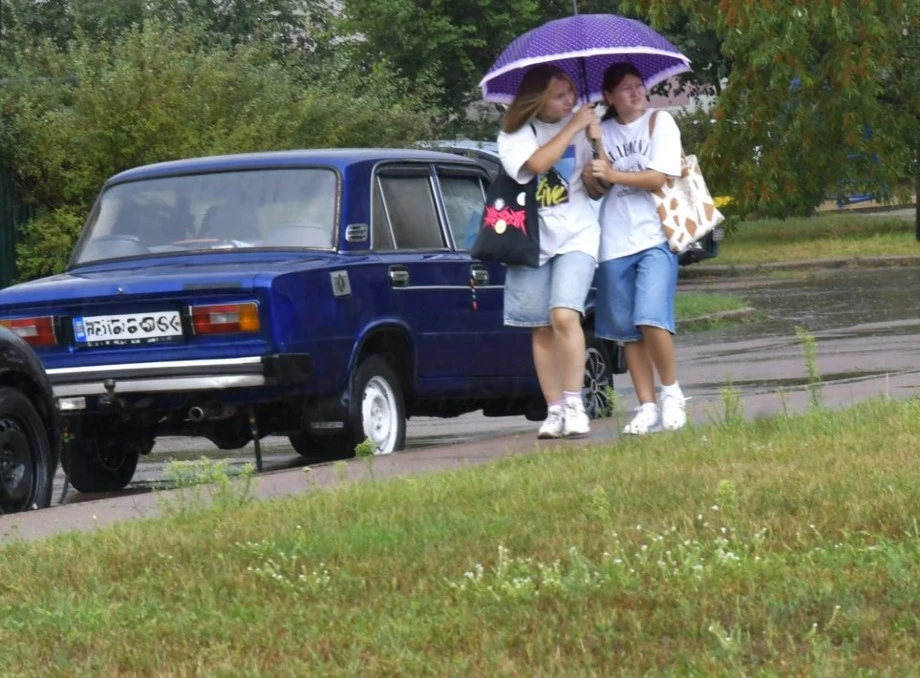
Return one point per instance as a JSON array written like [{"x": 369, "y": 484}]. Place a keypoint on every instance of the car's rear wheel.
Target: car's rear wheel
[
  {"x": 376, "y": 412},
  {"x": 103, "y": 461},
  {"x": 598, "y": 384},
  {"x": 26, "y": 461}
]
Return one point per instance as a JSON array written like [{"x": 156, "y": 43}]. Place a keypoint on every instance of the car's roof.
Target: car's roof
[
  {"x": 490, "y": 147},
  {"x": 340, "y": 158}
]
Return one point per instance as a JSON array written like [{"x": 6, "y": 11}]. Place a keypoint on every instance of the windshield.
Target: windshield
[{"x": 255, "y": 208}]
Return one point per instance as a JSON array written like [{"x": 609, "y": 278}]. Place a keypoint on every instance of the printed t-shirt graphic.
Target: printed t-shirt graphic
[{"x": 553, "y": 187}]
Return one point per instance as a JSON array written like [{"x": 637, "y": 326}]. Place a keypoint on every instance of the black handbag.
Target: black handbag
[{"x": 509, "y": 231}]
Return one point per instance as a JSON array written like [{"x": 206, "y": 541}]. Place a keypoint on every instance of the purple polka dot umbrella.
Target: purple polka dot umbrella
[{"x": 584, "y": 46}]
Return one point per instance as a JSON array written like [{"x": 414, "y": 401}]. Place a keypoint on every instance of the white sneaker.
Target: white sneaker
[
  {"x": 576, "y": 419},
  {"x": 553, "y": 425},
  {"x": 673, "y": 411},
  {"x": 647, "y": 420}
]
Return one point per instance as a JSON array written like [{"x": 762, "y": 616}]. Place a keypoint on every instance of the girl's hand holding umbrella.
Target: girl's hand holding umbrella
[
  {"x": 583, "y": 117},
  {"x": 600, "y": 170}
]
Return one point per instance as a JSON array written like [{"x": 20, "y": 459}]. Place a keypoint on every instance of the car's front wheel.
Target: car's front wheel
[
  {"x": 103, "y": 460},
  {"x": 26, "y": 461},
  {"x": 598, "y": 385}
]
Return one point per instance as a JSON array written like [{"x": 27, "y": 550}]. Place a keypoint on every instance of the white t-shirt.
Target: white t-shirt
[
  {"x": 568, "y": 223},
  {"x": 629, "y": 222}
]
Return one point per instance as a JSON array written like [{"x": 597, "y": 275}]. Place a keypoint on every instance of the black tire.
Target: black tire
[
  {"x": 27, "y": 464},
  {"x": 316, "y": 448},
  {"x": 598, "y": 383},
  {"x": 103, "y": 461},
  {"x": 376, "y": 410}
]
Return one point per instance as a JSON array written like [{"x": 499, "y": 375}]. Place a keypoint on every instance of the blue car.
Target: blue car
[{"x": 321, "y": 295}]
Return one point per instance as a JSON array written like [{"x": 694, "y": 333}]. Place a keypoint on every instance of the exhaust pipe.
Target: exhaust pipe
[{"x": 210, "y": 411}]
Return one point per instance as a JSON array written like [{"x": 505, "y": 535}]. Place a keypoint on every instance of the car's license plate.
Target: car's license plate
[{"x": 130, "y": 328}]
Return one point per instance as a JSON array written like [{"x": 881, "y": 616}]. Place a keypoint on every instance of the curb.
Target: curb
[{"x": 736, "y": 270}]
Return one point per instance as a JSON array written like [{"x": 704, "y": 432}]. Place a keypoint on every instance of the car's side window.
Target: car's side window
[
  {"x": 382, "y": 236},
  {"x": 408, "y": 201},
  {"x": 464, "y": 199}
]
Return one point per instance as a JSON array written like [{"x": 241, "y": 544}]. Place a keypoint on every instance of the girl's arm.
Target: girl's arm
[
  {"x": 646, "y": 180},
  {"x": 548, "y": 155}
]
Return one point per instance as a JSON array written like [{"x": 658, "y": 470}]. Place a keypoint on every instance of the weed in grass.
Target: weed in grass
[
  {"x": 191, "y": 478},
  {"x": 341, "y": 471},
  {"x": 285, "y": 569},
  {"x": 612, "y": 408},
  {"x": 727, "y": 499},
  {"x": 600, "y": 508},
  {"x": 783, "y": 396},
  {"x": 811, "y": 364},
  {"x": 365, "y": 451},
  {"x": 732, "y": 413}
]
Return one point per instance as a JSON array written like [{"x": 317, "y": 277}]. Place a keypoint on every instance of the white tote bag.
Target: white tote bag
[{"x": 685, "y": 206}]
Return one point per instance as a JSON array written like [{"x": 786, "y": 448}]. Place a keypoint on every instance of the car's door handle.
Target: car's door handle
[
  {"x": 480, "y": 274},
  {"x": 399, "y": 276}
]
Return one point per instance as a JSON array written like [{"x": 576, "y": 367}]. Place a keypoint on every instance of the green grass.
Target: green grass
[
  {"x": 821, "y": 237},
  {"x": 788, "y": 546},
  {"x": 697, "y": 311}
]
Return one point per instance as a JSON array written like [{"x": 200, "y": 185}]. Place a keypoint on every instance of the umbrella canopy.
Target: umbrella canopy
[{"x": 584, "y": 46}]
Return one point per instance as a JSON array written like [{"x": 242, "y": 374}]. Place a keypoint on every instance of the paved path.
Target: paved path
[{"x": 854, "y": 366}]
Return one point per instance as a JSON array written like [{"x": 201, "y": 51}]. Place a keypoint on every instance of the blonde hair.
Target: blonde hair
[{"x": 532, "y": 95}]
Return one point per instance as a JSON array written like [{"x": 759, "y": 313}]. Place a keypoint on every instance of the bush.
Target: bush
[{"x": 75, "y": 116}]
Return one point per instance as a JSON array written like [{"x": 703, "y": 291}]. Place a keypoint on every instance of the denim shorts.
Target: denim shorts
[
  {"x": 636, "y": 290},
  {"x": 562, "y": 282}
]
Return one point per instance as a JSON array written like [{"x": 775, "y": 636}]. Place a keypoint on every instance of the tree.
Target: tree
[
  {"x": 819, "y": 92},
  {"x": 288, "y": 24},
  {"x": 452, "y": 44},
  {"x": 73, "y": 116},
  {"x": 448, "y": 44}
]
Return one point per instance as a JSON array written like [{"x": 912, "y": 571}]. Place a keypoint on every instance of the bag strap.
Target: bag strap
[{"x": 651, "y": 131}]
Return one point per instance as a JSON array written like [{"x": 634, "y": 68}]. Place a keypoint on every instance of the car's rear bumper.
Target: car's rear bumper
[{"x": 176, "y": 376}]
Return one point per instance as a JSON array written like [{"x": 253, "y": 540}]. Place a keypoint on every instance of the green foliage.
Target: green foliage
[
  {"x": 811, "y": 85},
  {"x": 450, "y": 44},
  {"x": 75, "y": 116},
  {"x": 286, "y": 24},
  {"x": 695, "y": 128},
  {"x": 47, "y": 241},
  {"x": 732, "y": 414}
]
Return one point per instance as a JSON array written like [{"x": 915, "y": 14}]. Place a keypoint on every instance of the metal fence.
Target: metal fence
[{"x": 13, "y": 213}]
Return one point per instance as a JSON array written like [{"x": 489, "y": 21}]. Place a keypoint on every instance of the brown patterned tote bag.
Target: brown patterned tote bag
[{"x": 685, "y": 206}]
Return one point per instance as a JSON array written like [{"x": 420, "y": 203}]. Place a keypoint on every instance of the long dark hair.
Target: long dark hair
[{"x": 613, "y": 76}]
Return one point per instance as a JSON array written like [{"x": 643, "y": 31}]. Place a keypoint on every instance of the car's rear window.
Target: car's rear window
[{"x": 256, "y": 208}]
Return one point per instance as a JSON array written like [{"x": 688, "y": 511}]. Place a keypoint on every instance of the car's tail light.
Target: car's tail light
[
  {"x": 37, "y": 331},
  {"x": 223, "y": 318}
]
